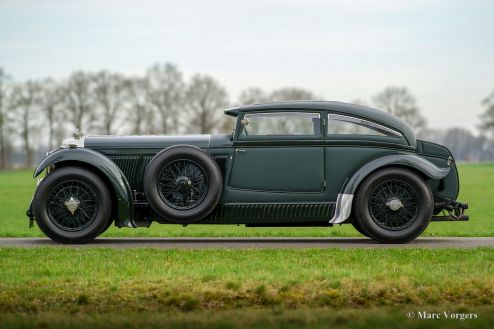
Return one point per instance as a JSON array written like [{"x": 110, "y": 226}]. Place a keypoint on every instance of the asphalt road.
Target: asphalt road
[{"x": 200, "y": 243}]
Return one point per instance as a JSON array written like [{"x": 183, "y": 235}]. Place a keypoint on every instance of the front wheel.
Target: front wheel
[
  {"x": 393, "y": 205},
  {"x": 72, "y": 205}
]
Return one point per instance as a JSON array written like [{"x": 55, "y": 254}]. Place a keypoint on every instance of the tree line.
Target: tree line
[{"x": 35, "y": 115}]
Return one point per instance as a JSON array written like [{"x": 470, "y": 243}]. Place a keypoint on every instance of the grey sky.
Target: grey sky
[{"x": 443, "y": 51}]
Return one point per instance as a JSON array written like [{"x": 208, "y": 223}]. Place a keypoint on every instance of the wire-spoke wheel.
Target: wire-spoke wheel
[
  {"x": 393, "y": 205},
  {"x": 182, "y": 184},
  {"x": 72, "y": 205}
]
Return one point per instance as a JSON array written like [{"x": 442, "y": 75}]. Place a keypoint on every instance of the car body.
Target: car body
[{"x": 300, "y": 163}]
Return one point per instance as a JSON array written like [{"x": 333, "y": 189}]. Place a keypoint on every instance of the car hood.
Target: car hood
[{"x": 144, "y": 142}]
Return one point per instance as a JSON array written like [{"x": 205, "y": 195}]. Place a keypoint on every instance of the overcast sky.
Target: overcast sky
[{"x": 443, "y": 51}]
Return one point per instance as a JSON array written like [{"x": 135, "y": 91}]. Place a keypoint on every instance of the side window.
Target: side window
[
  {"x": 346, "y": 125},
  {"x": 281, "y": 124}
]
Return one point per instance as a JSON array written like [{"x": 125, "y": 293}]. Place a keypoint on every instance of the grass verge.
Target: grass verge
[{"x": 109, "y": 280}]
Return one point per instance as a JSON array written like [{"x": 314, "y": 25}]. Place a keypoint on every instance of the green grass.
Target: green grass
[
  {"x": 477, "y": 188},
  {"x": 264, "y": 288},
  {"x": 109, "y": 280}
]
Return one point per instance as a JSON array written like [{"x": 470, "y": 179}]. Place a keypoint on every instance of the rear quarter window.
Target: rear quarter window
[{"x": 347, "y": 125}]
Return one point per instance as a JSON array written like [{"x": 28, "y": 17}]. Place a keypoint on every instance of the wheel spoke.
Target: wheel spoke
[
  {"x": 182, "y": 184},
  {"x": 82, "y": 196},
  {"x": 405, "y": 200}
]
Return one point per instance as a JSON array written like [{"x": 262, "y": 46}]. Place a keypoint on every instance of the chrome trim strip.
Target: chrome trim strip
[
  {"x": 306, "y": 114},
  {"x": 343, "y": 208},
  {"x": 347, "y": 118}
]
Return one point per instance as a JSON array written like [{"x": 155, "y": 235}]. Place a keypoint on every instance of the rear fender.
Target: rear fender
[{"x": 345, "y": 197}]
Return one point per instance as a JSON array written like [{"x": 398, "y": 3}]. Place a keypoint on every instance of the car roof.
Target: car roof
[{"x": 335, "y": 107}]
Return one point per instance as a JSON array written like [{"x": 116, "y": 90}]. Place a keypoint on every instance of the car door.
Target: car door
[{"x": 279, "y": 151}]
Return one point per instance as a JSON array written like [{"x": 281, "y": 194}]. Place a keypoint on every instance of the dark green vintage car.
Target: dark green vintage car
[{"x": 285, "y": 164}]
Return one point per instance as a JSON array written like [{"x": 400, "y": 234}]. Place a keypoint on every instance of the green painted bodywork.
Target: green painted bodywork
[
  {"x": 136, "y": 144},
  {"x": 271, "y": 169},
  {"x": 270, "y": 179}
]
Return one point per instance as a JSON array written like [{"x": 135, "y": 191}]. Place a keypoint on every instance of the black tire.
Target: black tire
[
  {"x": 183, "y": 184},
  {"x": 393, "y": 205},
  {"x": 53, "y": 216},
  {"x": 357, "y": 226},
  {"x": 106, "y": 227}
]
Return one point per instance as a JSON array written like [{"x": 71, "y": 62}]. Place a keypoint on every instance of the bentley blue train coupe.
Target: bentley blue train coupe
[{"x": 303, "y": 163}]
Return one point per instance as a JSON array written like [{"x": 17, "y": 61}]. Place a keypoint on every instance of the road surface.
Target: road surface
[{"x": 200, "y": 243}]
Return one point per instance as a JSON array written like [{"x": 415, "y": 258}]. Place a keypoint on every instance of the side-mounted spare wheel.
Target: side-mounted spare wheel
[
  {"x": 183, "y": 184},
  {"x": 393, "y": 205},
  {"x": 72, "y": 205}
]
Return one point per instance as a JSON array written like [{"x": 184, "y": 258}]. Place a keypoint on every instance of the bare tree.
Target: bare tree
[
  {"x": 25, "y": 100},
  {"x": 206, "y": 99},
  {"x": 50, "y": 101},
  {"x": 138, "y": 108},
  {"x": 252, "y": 95},
  {"x": 291, "y": 94},
  {"x": 3, "y": 117},
  {"x": 166, "y": 94},
  {"x": 398, "y": 101},
  {"x": 78, "y": 94},
  {"x": 487, "y": 117},
  {"x": 109, "y": 98}
]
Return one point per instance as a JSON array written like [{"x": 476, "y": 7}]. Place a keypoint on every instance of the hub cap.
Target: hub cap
[
  {"x": 72, "y": 206},
  {"x": 182, "y": 184},
  {"x": 394, "y": 205}
]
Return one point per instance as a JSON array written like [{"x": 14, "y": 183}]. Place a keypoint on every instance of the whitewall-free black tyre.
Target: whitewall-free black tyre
[
  {"x": 393, "y": 205},
  {"x": 72, "y": 205},
  {"x": 183, "y": 184}
]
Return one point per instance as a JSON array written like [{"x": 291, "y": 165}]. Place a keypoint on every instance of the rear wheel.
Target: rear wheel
[
  {"x": 72, "y": 205},
  {"x": 393, "y": 205},
  {"x": 357, "y": 226}
]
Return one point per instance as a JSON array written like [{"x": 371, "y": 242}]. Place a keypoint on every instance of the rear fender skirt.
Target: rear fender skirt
[
  {"x": 107, "y": 167},
  {"x": 344, "y": 201}
]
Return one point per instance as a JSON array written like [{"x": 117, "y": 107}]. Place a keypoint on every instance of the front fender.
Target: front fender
[
  {"x": 107, "y": 168},
  {"x": 344, "y": 202}
]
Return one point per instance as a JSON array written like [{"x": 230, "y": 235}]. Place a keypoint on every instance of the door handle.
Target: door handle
[{"x": 240, "y": 151}]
